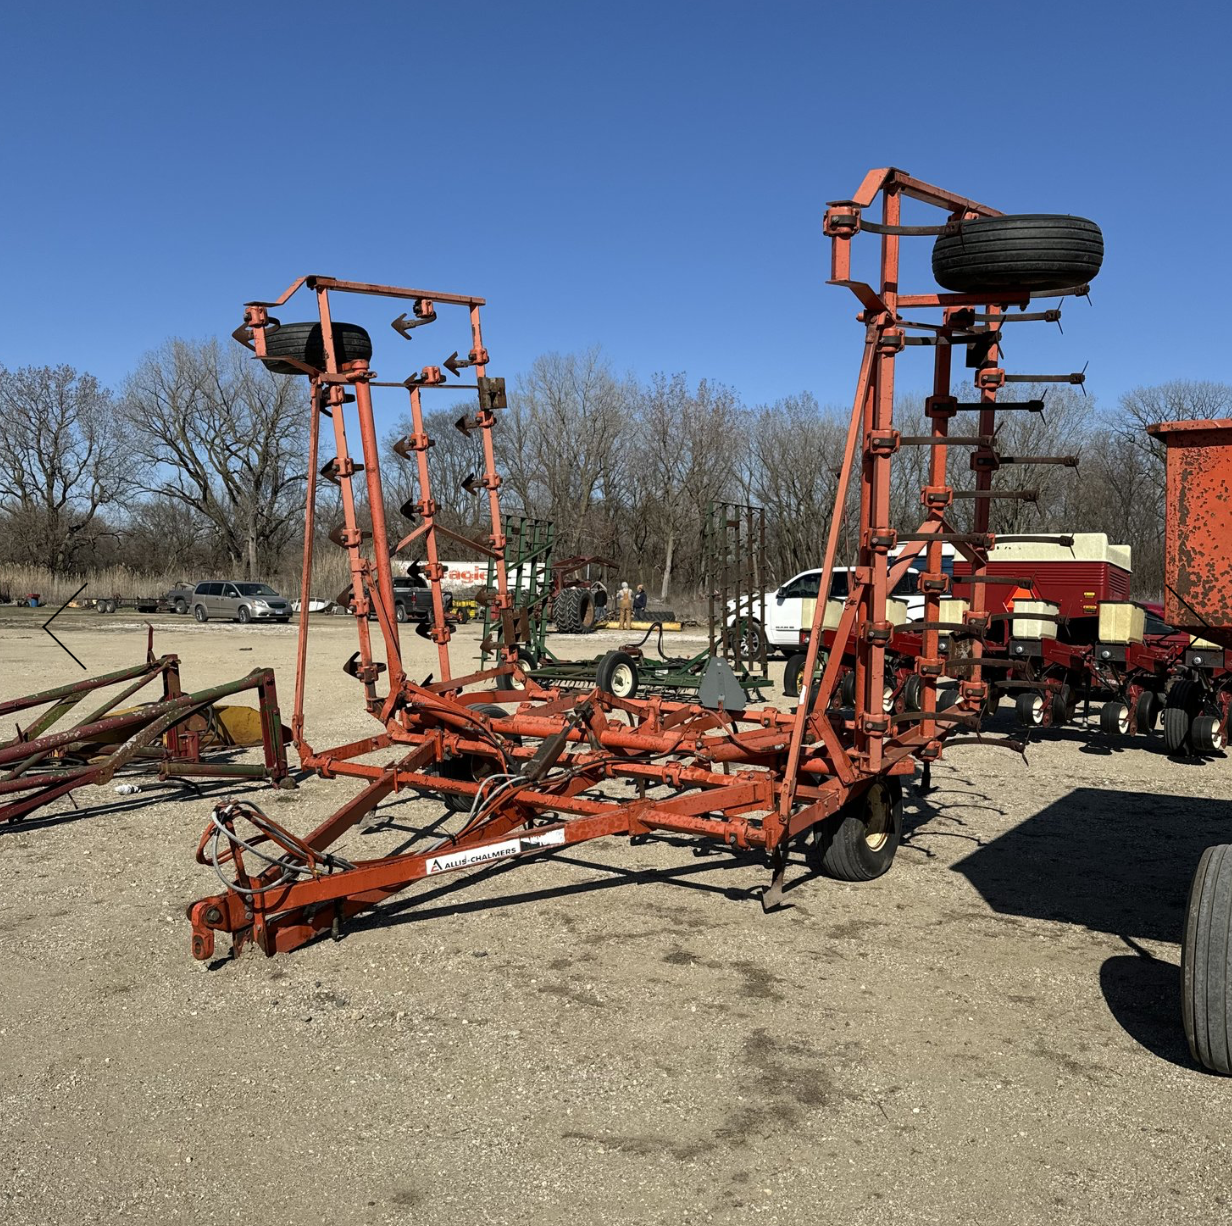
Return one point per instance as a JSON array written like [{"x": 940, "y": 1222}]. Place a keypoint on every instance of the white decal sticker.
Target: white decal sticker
[{"x": 495, "y": 851}]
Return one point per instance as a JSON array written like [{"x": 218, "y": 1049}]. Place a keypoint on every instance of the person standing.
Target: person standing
[
  {"x": 624, "y": 604},
  {"x": 639, "y": 604}
]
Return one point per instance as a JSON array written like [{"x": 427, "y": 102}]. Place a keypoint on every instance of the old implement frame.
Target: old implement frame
[
  {"x": 166, "y": 736},
  {"x": 539, "y": 777}
]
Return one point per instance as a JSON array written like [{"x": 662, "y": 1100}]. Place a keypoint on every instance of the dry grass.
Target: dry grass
[{"x": 329, "y": 577}]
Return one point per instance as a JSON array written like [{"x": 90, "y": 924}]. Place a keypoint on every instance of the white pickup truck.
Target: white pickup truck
[{"x": 784, "y": 608}]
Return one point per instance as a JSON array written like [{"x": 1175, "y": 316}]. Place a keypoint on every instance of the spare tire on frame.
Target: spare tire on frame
[
  {"x": 304, "y": 343},
  {"x": 1042, "y": 252}
]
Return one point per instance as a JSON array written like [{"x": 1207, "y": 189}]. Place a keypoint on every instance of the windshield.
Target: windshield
[{"x": 256, "y": 589}]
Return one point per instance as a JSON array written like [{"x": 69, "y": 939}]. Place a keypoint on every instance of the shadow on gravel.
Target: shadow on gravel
[
  {"x": 1116, "y": 862},
  {"x": 1143, "y": 993},
  {"x": 1111, "y": 861},
  {"x": 153, "y": 792}
]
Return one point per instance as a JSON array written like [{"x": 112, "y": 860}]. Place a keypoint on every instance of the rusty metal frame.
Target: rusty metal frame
[
  {"x": 538, "y": 777},
  {"x": 39, "y": 765}
]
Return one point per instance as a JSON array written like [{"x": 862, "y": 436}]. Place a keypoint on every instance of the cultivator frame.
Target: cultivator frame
[
  {"x": 38, "y": 765},
  {"x": 540, "y": 777}
]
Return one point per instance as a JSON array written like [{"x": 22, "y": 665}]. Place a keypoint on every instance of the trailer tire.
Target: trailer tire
[
  {"x": 200, "y": 614},
  {"x": 859, "y": 842},
  {"x": 847, "y": 688},
  {"x": 573, "y": 612},
  {"x": 617, "y": 674},
  {"x": 471, "y": 767},
  {"x": 1114, "y": 718},
  {"x": 304, "y": 343},
  {"x": 1206, "y": 962},
  {"x": 1026, "y": 251},
  {"x": 1183, "y": 704},
  {"x": 1029, "y": 708}
]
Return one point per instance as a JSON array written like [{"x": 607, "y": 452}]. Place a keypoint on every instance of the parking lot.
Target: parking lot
[{"x": 990, "y": 1033}]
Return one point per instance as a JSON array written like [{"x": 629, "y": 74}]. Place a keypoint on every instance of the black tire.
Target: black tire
[
  {"x": 1114, "y": 718},
  {"x": 181, "y": 607},
  {"x": 464, "y": 616},
  {"x": 658, "y": 615},
  {"x": 792, "y": 674},
  {"x": 1063, "y": 706},
  {"x": 399, "y": 611},
  {"x": 1183, "y": 704},
  {"x": 303, "y": 343},
  {"x": 471, "y": 767},
  {"x": 1206, "y": 962},
  {"x": 913, "y": 693},
  {"x": 1029, "y": 708},
  {"x": 617, "y": 675},
  {"x": 1206, "y": 734},
  {"x": 200, "y": 614},
  {"x": 947, "y": 697},
  {"x": 858, "y": 843},
  {"x": 1146, "y": 711},
  {"x": 847, "y": 689},
  {"x": 242, "y": 615},
  {"x": 573, "y": 611},
  {"x": 1027, "y": 251}
]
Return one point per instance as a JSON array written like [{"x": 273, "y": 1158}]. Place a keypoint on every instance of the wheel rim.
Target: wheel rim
[
  {"x": 887, "y": 699},
  {"x": 877, "y": 822},
  {"x": 622, "y": 680},
  {"x": 1035, "y": 714}
]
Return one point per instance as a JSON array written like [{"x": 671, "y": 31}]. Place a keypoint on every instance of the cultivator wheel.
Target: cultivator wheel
[
  {"x": 472, "y": 768},
  {"x": 573, "y": 611},
  {"x": 859, "y": 842},
  {"x": 617, "y": 674}
]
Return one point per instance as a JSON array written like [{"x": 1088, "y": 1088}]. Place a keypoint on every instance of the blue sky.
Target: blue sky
[{"x": 649, "y": 177}]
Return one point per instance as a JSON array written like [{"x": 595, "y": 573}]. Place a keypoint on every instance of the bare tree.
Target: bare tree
[
  {"x": 226, "y": 438},
  {"x": 62, "y": 463},
  {"x": 564, "y": 441},
  {"x": 689, "y": 444}
]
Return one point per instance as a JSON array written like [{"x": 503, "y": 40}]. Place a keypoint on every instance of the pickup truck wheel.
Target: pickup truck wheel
[
  {"x": 200, "y": 614},
  {"x": 752, "y": 640},
  {"x": 304, "y": 343},
  {"x": 181, "y": 607},
  {"x": 399, "y": 611}
]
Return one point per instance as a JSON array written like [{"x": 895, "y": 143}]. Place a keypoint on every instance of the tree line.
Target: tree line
[{"x": 197, "y": 465}]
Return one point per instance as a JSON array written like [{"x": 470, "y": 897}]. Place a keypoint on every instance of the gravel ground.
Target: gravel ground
[{"x": 988, "y": 1034}]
